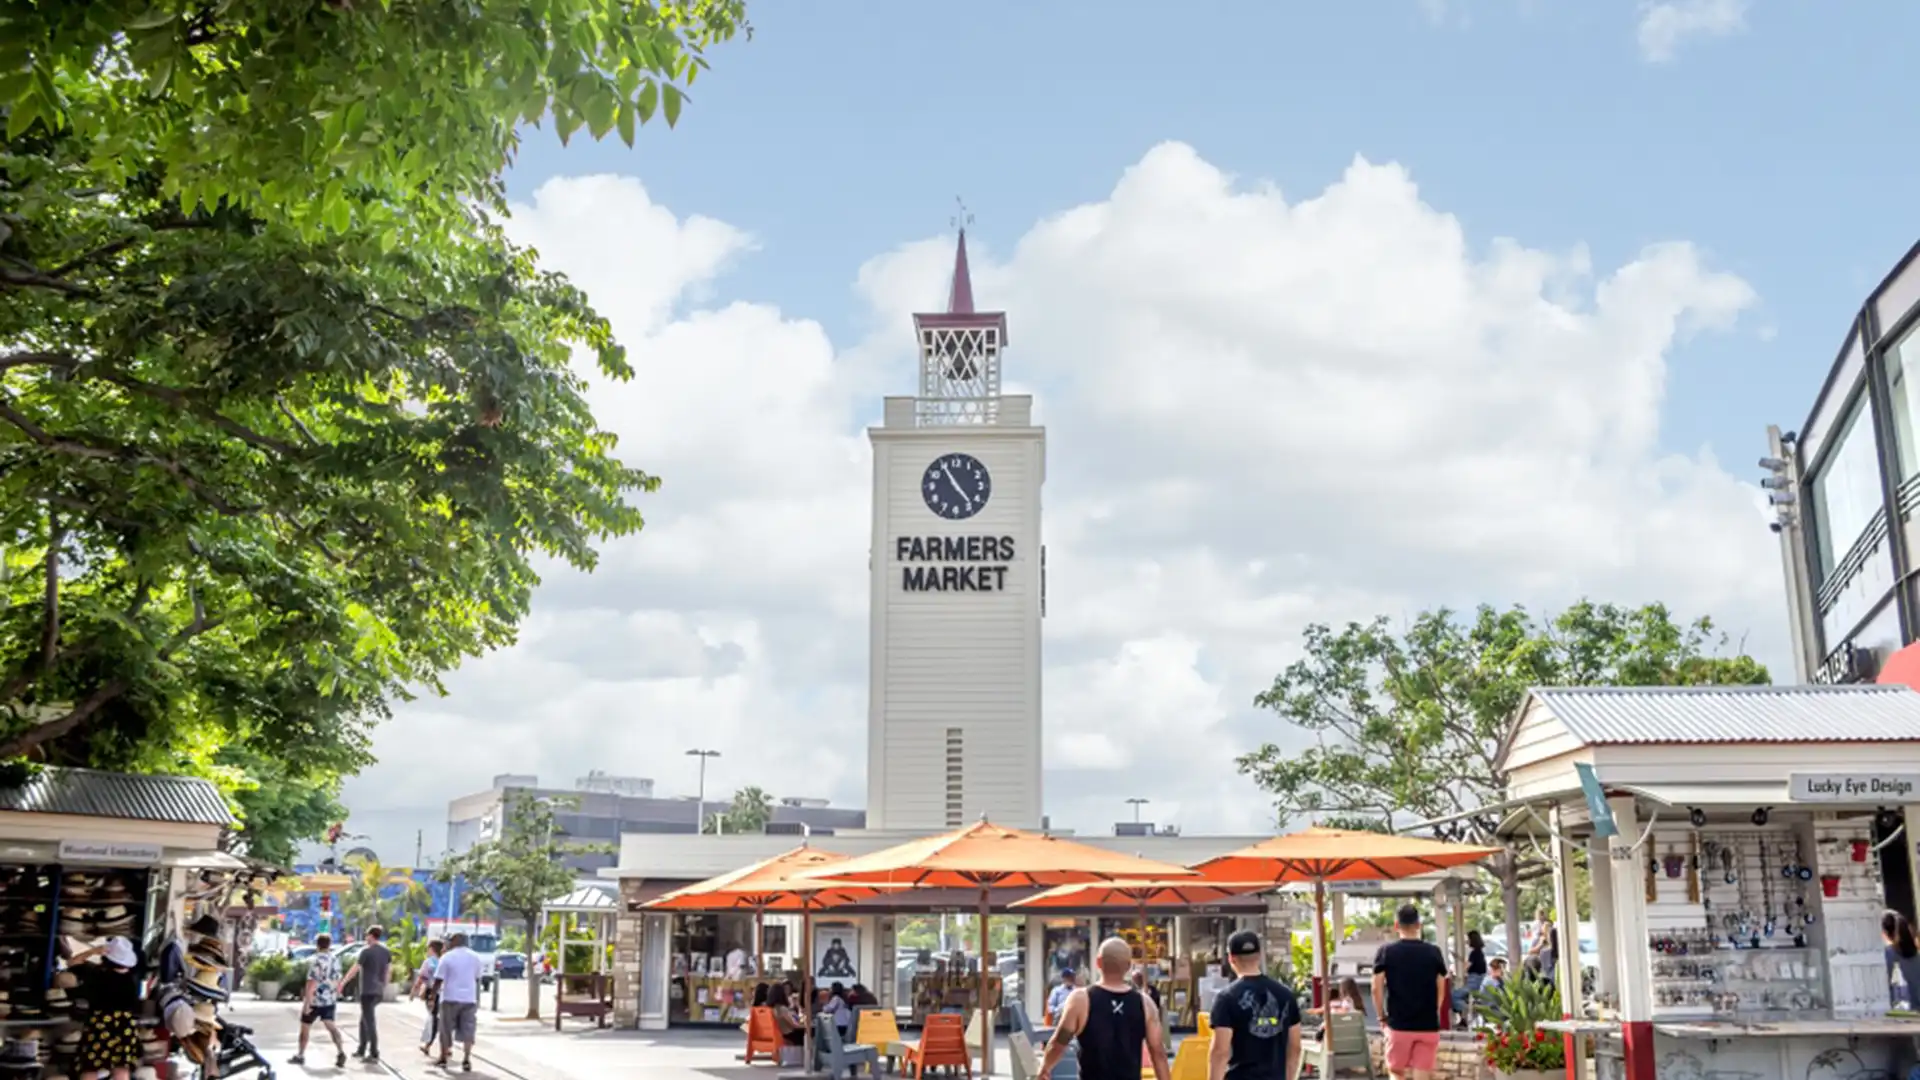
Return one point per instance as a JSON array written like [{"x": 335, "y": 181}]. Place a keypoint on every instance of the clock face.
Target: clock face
[{"x": 956, "y": 486}]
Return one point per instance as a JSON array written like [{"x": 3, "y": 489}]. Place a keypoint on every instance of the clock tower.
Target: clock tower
[{"x": 958, "y": 584}]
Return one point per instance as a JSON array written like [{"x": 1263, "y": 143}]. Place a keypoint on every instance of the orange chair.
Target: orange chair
[
  {"x": 763, "y": 1035},
  {"x": 942, "y": 1042}
]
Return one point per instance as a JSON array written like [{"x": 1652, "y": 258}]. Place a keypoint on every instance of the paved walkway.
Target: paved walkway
[{"x": 508, "y": 1049}]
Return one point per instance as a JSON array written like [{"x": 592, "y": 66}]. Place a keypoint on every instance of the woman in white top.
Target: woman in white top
[{"x": 423, "y": 980}]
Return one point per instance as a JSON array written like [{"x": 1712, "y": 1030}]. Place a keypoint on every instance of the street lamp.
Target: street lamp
[
  {"x": 700, "y": 800},
  {"x": 1137, "y": 802}
]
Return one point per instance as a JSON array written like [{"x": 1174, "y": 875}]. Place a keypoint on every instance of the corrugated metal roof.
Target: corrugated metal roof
[
  {"x": 179, "y": 800},
  {"x": 1718, "y": 714}
]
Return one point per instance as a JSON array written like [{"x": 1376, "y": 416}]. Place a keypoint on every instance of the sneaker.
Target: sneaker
[
  {"x": 297, "y": 1059},
  {"x": 466, "y": 1066},
  {"x": 373, "y": 1058},
  {"x": 340, "y": 1060}
]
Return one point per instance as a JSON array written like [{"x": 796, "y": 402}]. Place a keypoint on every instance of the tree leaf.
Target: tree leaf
[{"x": 670, "y": 101}]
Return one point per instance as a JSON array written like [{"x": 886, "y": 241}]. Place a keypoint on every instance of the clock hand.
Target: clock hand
[{"x": 956, "y": 485}]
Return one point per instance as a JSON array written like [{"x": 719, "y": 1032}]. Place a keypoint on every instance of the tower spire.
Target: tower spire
[
  {"x": 960, "y": 296},
  {"x": 960, "y": 348}
]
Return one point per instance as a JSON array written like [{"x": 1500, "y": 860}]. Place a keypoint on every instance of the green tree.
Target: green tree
[
  {"x": 521, "y": 870},
  {"x": 1406, "y": 726},
  {"x": 285, "y": 422},
  {"x": 749, "y": 812}
]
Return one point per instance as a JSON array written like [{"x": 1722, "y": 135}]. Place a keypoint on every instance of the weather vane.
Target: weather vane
[{"x": 962, "y": 217}]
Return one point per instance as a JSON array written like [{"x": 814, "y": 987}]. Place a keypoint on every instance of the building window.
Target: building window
[
  {"x": 1903, "y": 382},
  {"x": 1846, "y": 491}
]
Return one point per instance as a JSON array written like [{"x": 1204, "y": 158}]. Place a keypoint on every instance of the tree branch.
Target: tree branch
[
  {"x": 75, "y": 448},
  {"x": 213, "y": 416},
  {"x": 35, "y": 359},
  {"x": 50, "y": 637},
  {"x": 295, "y": 421},
  {"x": 53, "y": 729}
]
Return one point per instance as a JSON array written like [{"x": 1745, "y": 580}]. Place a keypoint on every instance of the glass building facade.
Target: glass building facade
[{"x": 1855, "y": 526}]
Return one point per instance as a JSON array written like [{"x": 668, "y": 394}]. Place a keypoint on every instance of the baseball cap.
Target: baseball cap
[{"x": 1244, "y": 943}]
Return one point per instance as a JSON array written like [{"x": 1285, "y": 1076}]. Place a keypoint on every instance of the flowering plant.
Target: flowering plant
[{"x": 1511, "y": 1039}]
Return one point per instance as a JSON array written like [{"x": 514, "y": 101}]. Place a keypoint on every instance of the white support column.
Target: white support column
[
  {"x": 1635, "y": 962},
  {"x": 1600, "y": 872},
  {"x": 1566, "y": 917}
]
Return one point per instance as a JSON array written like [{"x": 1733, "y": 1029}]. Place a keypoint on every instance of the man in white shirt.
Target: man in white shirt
[
  {"x": 736, "y": 962},
  {"x": 458, "y": 978}
]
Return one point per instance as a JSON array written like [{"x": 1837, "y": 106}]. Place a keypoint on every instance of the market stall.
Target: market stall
[
  {"x": 582, "y": 983},
  {"x": 86, "y": 856},
  {"x": 1743, "y": 844}
]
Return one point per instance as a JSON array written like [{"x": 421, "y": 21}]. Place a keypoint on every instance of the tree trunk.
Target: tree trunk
[
  {"x": 1509, "y": 869},
  {"x": 533, "y": 976}
]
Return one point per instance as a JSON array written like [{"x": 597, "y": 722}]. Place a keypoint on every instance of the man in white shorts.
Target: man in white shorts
[{"x": 458, "y": 977}]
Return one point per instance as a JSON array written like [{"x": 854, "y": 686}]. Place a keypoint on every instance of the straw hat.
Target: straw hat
[
  {"x": 205, "y": 983},
  {"x": 204, "y": 926},
  {"x": 20, "y": 1054},
  {"x": 203, "y": 1015}
]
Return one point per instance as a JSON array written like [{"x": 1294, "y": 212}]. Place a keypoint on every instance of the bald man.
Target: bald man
[{"x": 1110, "y": 1021}]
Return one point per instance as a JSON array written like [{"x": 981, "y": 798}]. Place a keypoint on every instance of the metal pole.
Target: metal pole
[{"x": 1793, "y": 559}]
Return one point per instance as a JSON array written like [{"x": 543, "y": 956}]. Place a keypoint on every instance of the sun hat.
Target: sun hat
[
  {"x": 120, "y": 953},
  {"x": 206, "y": 984}
]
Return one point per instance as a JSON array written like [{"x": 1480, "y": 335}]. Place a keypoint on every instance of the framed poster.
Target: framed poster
[
  {"x": 836, "y": 953},
  {"x": 775, "y": 940}
]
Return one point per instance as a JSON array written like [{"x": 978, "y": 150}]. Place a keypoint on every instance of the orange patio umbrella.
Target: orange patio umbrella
[
  {"x": 1320, "y": 855},
  {"x": 987, "y": 857},
  {"x": 1140, "y": 895}
]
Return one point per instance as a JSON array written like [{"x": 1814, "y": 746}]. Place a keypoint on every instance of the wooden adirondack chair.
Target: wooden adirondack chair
[
  {"x": 763, "y": 1035},
  {"x": 942, "y": 1044},
  {"x": 1342, "y": 1045},
  {"x": 837, "y": 1056},
  {"x": 876, "y": 1027}
]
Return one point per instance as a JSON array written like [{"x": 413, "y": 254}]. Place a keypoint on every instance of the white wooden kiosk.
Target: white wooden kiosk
[{"x": 1743, "y": 843}]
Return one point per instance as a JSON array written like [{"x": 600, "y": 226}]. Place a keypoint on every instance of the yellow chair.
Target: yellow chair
[
  {"x": 1190, "y": 1060},
  {"x": 876, "y": 1028},
  {"x": 1206, "y": 1026}
]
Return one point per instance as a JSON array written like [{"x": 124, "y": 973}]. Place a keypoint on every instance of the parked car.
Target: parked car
[{"x": 511, "y": 965}]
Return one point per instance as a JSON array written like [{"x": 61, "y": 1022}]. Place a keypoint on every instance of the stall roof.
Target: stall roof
[
  {"x": 1554, "y": 720},
  {"x": 178, "y": 800},
  {"x": 587, "y": 899}
]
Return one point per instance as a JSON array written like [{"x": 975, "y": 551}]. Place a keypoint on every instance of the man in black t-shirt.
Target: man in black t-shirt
[
  {"x": 1409, "y": 983},
  {"x": 1256, "y": 1021}
]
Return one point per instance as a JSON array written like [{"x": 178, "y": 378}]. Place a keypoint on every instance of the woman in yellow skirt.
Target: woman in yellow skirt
[{"x": 110, "y": 1042}]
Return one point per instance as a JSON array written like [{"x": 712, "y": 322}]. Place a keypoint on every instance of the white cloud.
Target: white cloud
[
  {"x": 1262, "y": 413},
  {"x": 1665, "y": 25}
]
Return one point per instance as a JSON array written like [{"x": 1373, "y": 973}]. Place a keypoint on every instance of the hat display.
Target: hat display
[{"x": 205, "y": 926}]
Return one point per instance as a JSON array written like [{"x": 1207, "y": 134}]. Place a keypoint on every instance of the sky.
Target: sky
[{"x": 1331, "y": 311}]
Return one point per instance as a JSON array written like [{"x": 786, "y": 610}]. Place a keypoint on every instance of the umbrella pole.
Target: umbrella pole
[
  {"x": 806, "y": 985},
  {"x": 760, "y": 943},
  {"x": 1320, "y": 931},
  {"x": 986, "y": 1021}
]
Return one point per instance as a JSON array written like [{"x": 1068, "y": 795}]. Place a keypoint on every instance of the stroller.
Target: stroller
[{"x": 233, "y": 1052}]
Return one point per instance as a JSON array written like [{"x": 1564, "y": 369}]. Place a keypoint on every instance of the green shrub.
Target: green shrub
[
  {"x": 1510, "y": 1034},
  {"x": 273, "y": 967}
]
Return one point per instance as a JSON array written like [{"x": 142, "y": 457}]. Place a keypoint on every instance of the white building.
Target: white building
[{"x": 958, "y": 577}]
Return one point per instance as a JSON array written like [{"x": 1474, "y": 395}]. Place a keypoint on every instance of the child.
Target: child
[{"x": 110, "y": 1042}]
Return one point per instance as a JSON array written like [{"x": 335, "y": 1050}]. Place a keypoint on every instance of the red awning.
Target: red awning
[{"x": 1902, "y": 668}]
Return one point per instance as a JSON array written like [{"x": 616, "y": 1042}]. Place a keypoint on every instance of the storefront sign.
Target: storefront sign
[
  {"x": 953, "y": 563},
  {"x": 1854, "y": 787},
  {"x": 109, "y": 851},
  {"x": 1844, "y": 665}
]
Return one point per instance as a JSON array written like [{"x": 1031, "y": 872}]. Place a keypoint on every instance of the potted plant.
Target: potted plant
[
  {"x": 1510, "y": 1036},
  {"x": 269, "y": 974}
]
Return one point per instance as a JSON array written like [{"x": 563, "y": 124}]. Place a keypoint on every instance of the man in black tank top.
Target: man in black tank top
[{"x": 1109, "y": 1023}]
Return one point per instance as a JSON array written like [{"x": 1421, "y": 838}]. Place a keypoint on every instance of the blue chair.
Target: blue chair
[
  {"x": 1038, "y": 1036},
  {"x": 835, "y": 1056}
]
